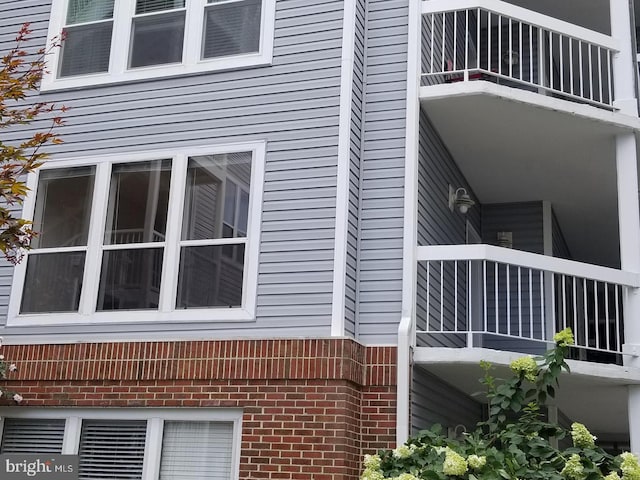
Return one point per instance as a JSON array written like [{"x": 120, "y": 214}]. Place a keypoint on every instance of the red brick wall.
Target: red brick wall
[{"x": 312, "y": 408}]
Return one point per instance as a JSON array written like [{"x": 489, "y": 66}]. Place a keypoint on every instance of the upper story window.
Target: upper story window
[
  {"x": 162, "y": 236},
  {"x": 117, "y": 40}
]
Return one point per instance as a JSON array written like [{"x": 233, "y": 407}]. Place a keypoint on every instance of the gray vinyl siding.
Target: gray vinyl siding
[
  {"x": 292, "y": 104},
  {"x": 434, "y": 401},
  {"x": 357, "y": 122},
  {"x": 382, "y": 172},
  {"x": 560, "y": 247},
  {"x": 525, "y": 221},
  {"x": 437, "y": 225}
]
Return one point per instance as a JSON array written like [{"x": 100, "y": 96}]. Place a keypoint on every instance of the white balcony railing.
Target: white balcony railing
[
  {"x": 467, "y": 291},
  {"x": 490, "y": 40}
]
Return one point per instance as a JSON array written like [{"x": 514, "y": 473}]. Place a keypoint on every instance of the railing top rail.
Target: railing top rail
[
  {"x": 528, "y": 260},
  {"x": 523, "y": 15}
]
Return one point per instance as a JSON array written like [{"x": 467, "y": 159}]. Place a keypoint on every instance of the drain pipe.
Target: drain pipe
[{"x": 406, "y": 328}]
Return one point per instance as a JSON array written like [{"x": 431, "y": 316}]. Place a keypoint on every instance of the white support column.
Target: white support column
[
  {"x": 624, "y": 74},
  {"x": 624, "y": 63},
  {"x": 634, "y": 415},
  {"x": 629, "y": 225}
]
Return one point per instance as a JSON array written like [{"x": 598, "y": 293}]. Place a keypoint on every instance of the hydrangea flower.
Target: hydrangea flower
[
  {"x": 476, "y": 462},
  {"x": 372, "y": 468},
  {"x": 613, "y": 476},
  {"x": 17, "y": 398},
  {"x": 525, "y": 366},
  {"x": 630, "y": 467},
  {"x": 454, "y": 463},
  {"x": 406, "y": 476},
  {"x": 372, "y": 475},
  {"x": 404, "y": 451},
  {"x": 582, "y": 438},
  {"x": 372, "y": 462},
  {"x": 13, "y": 367},
  {"x": 573, "y": 469},
  {"x": 564, "y": 338}
]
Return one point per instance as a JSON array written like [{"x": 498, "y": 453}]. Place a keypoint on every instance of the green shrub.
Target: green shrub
[{"x": 514, "y": 443}]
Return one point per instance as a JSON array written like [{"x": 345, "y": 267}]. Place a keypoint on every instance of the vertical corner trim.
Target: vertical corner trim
[{"x": 343, "y": 164}]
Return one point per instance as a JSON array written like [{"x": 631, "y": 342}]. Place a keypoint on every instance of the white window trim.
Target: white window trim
[
  {"x": 155, "y": 418},
  {"x": 191, "y": 63},
  {"x": 166, "y": 312}
]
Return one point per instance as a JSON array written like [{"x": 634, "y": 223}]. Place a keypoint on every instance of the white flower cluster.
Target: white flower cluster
[{"x": 405, "y": 451}]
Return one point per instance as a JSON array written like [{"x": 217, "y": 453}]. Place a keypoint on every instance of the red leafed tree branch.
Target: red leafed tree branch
[{"x": 20, "y": 74}]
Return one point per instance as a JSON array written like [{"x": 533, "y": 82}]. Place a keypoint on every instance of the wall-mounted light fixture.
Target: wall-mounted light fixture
[
  {"x": 511, "y": 57},
  {"x": 460, "y": 199}
]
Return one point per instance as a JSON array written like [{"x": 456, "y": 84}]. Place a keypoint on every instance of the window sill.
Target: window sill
[
  {"x": 134, "y": 316},
  {"x": 51, "y": 84}
]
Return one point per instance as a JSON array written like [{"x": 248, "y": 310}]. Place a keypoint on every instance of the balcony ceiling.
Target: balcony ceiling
[
  {"x": 605, "y": 386},
  {"x": 591, "y": 14},
  {"x": 512, "y": 150}
]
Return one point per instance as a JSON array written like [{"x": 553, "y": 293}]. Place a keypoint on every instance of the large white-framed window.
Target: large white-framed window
[
  {"x": 147, "y": 444},
  {"x": 107, "y": 41},
  {"x": 162, "y": 236}
]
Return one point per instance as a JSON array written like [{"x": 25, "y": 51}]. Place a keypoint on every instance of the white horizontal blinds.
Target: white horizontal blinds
[
  {"x": 55, "y": 266},
  {"x": 231, "y": 27},
  {"x": 22, "y": 435},
  {"x": 88, "y": 30},
  {"x": 157, "y": 32},
  {"x": 214, "y": 230},
  {"x": 196, "y": 450},
  {"x": 112, "y": 450}
]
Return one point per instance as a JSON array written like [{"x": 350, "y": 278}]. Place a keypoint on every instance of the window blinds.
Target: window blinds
[
  {"x": 196, "y": 450},
  {"x": 232, "y": 28},
  {"x": 112, "y": 449},
  {"x": 23, "y": 435}
]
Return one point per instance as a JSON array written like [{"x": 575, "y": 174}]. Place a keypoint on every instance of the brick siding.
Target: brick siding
[{"x": 312, "y": 408}]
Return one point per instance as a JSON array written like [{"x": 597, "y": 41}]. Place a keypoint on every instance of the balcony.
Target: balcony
[
  {"x": 507, "y": 61},
  {"x": 500, "y": 43},
  {"x": 519, "y": 107},
  {"x": 481, "y": 302},
  {"x": 494, "y": 297}
]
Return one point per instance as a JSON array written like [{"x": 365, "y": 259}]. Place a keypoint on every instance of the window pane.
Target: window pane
[
  {"x": 208, "y": 278},
  {"x": 81, "y": 11},
  {"x": 146, "y": 6},
  {"x": 157, "y": 40},
  {"x": 112, "y": 449},
  {"x": 232, "y": 29},
  {"x": 130, "y": 279},
  {"x": 63, "y": 207},
  {"x": 206, "y": 206},
  {"x": 53, "y": 282},
  {"x": 138, "y": 200},
  {"x": 199, "y": 450},
  {"x": 28, "y": 435},
  {"x": 86, "y": 49}
]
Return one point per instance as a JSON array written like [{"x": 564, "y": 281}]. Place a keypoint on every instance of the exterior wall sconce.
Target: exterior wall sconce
[
  {"x": 511, "y": 57},
  {"x": 460, "y": 199}
]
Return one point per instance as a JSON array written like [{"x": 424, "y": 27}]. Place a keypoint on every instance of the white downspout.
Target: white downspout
[{"x": 406, "y": 329}]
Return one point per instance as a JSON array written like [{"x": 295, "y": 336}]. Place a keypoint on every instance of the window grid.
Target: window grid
[
  {"x": 171, "y": 256},
  {"x": 113, "y": 58}
]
